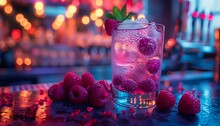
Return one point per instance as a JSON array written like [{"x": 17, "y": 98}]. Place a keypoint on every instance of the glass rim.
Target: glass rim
[
  {"x": 156, "y": 24},
  {"x": 142, "y": 23}
]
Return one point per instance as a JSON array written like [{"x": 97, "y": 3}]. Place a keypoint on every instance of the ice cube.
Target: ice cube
[
  {"x": 129, "y": 24},
  {"x": 141, "y": 20},
  {"x": 127, "y": 21},
  {"x": 153, "y": 32}
]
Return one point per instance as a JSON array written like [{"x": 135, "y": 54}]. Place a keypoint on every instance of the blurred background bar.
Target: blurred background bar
[{"x": 41, "y": 40}]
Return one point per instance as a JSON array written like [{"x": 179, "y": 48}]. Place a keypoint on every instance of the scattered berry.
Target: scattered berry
[
  {"x": 153, "y": 65},
  {"x": 89, "y": 109},
  {"x": 104, "y": 114},
  {"x": 71, "y": 79},
  {"x": 165, "y": 100},
  {"x": 129, "y": 85},
  {"x": 132, "y": 110},
  {"x": 91, "y": 122},
  {"x": 107, "y": 114},
  {"x": 85, "y": 115},
  {"x": 105, "y": 84},
  {"x": 72, "y": 114},
  {"x": 189, "y": 104},
  {"x": 56, "y": 92},
  {"x": 77, "y": 112},
  {"x": 123, "y": 112},
  {"x": 114, "y": 116},
  {"x": 99, "y": 97},
  {"x": 110, "y": 25},
  {"x": 87, "y": 79},
  {"x": 147, "y": 85},
  {"x": 77, "y": 94},
  {"x": 147, "y": 46}
]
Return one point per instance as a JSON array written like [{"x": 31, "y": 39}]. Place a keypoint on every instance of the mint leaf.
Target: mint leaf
[
  {"x": 117, "y": 13},
  {"x": 110, "y": 16},
  {"x": 129, "y": 16},
  {"x": 115, "y": 10},
  {"x": 118, "y": 16},
  {"x": 123, "y": 11}
]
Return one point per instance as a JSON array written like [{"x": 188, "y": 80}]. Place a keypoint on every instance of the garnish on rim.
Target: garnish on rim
[{"x": 116, "y": 17}]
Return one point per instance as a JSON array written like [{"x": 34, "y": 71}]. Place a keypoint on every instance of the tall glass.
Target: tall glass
[{"x": 137, "y": 52}]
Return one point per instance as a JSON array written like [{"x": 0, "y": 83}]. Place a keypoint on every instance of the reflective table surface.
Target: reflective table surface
[{"x": 58, "y": 113}]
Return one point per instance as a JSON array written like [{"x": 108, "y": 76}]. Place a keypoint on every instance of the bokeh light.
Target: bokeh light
[
  {"x": 99, "y": 12},
  {"x": 16, "y": 34},
  {"x": 60, "y": 18},
  {"x": 39, "y": 8},
  {"x": 3, "y": 2},
  {"x": 68, "y": 14},
  {"x": 27, "y": 61},
  {"x": 72, "y": 9},
  {"x": 23, "y": 22},
  {"x": 39, "y": 5},
  {"x": 99, "y": 22},
  {"x": 40, "y": 12},
  {"x": 8, "y": 9},
  {"x": 99, "y": 2},
  {"x": 19, "y": 17},
  {"x": 85, "y": 20},
  {"x": 93, "y": 16},
  {"x": 141, "y": 16},
  {"x": 132, "y": 18},
  {"x": 55, "y": 26},
  {"x": 27, "y": 26},
  {"x": 19, "y": 61}
]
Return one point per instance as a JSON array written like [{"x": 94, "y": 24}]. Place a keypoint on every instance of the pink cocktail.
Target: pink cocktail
[{"x": 137, "y": 51}]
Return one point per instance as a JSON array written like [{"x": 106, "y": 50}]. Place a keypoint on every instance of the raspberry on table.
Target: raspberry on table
[
  {"x": 87, "y": 79},
  {"x": 147, "y": 85},
  {"x": 77, "y": 94},
  {"x": 56, "y": 92},
  {"x": 71, "y": 79},
  {"x": 153, "y": 65},
  {"x": 95, "y": 85},
  {"x": 99, "y": 97},
  {"x": 147, "y": 46},
  {"x": 189, "y": 104},
  {"x": 165, "y": 100},
  {"x": 105, "y": 85}
]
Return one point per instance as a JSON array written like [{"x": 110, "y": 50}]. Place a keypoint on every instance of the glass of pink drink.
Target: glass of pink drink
[{"x": 137, "y": 52}]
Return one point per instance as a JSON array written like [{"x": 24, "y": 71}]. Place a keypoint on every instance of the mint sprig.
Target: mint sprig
[{"x": 118, "y": 14}]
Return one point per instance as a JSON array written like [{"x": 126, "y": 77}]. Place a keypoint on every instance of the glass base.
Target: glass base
[{"x": 126, "y": 99}]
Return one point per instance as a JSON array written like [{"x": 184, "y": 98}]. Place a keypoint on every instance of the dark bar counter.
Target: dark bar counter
[{"x": 58, "y": 113}]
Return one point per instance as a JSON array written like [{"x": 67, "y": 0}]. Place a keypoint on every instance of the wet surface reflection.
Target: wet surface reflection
[{"x": 59, "y": 113}]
